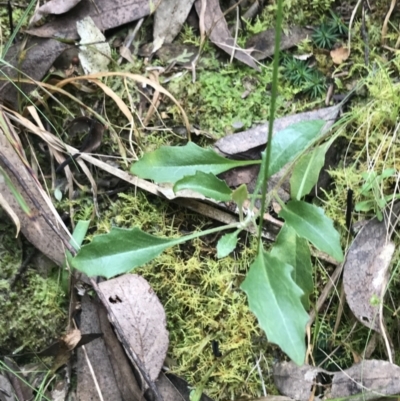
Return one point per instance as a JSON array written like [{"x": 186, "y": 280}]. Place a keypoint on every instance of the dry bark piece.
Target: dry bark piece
[
  {"x": 98, "y": 357},
  {"x": 263, "y": 44},
  {"x": 42, "y": 229},
  {"x": 141, "y": 317},
  {"x": 366, "y": 270},
  {"x": 124, "y": 375},
  {"x": 219, "y": 34},
  {"x": 370, "y": 379}
]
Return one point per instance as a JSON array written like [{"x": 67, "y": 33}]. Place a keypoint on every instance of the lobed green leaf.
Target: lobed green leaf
[
  {"x": 294, "y": 250},
  {"x": 275, "y": 299},
  {"x": 310, "y": 222}
]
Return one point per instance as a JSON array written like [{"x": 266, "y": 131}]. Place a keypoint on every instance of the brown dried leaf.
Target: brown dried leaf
[
  {"x": 370, "y": 379},
  {"x": 254, "y": 137},
  {"x": 169, "y": 19},
  {"x": 141, "y": 317},
  {"x": 43, "y": 228},
  {"x": 53, "y": 7},
  {"x": 218, "y": 32},
  {"x": 100, "y": 376},
  {"x": 296, "y": 381},
  {"x": 249, "y": 144},
  {"x": 340, "y": 55},
  {"x": 34, "y": 61},
  {"x": 22, "y": 389},
  {"x": 72, "y": 338},
  {"x": 263, "y": 44},
  {"x": 106, "y": 14},
  {"x": 366, "y": 272}
]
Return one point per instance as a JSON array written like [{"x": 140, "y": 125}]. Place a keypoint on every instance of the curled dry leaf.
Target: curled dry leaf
[
  {"x": 296, "y": 381},
  {"x": 42, "y": 226},
  {"x": 141, "y": 318},
  {"x": 95, "y": 57},
  {"x": 169, "y": 19},
  {"x": 106, "y": 14},
  {"x": 262, "y": 44},
  {"x": 340, "y": 55},
  {"x": 53, "y": 7},
  {"x": 366, "y": 271},
  {"x": 218, "y": 31},
  {"x": 369, "y": 379}
]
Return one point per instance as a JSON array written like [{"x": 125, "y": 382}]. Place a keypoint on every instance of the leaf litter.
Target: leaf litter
[
  {"x": 366, "y": 270},
  {"x": 380, "y": 259}
]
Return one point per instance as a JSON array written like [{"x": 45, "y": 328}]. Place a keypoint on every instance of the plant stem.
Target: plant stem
[{"x": 274, "y": 94}]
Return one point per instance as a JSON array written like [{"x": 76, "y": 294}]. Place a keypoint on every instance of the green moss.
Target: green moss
[
  {"x": 33, "y": 311},
  {"x": 201, "y": 297}
]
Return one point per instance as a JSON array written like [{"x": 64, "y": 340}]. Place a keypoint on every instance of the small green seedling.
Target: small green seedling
[{"x": 372, "y": 189}]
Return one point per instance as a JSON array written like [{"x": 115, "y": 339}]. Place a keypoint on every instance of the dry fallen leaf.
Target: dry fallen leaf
[
  {"x": 141, "y": 318},
  {"x": 262, "y": 44},
  {"x": 53, "y": 7},
  {"x": 219, "y": 34},
  {"x": 95, "y": 57},
  {"x": 169, "y": 19},
  {"x": 371, "y": 379},
  {"x": 365, "y": 272},
  {"x": 43, "y": 227},
  {"x": 340, "y": 55},
  {"x": 106, "y": 14}
]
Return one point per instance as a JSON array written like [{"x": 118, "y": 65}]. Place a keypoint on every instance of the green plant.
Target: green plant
[
  {"x": 337, "y": 24},
  {"x": 372, "y": 189},
  {"x": 278, "y": 282},
  {"x": 274, "y": 276},
  {"x": 296, "y": 71},
  {"x": 325, "y": 36},
  {"x": 316, "y": 85}
]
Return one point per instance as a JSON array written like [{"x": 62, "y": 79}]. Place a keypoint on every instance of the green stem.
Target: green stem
[{"x": 274, "y": 94}]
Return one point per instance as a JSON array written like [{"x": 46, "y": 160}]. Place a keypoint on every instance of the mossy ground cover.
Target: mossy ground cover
[{"x": 201, "y": 294}]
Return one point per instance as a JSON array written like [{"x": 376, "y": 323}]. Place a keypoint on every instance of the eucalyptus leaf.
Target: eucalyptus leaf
[
  {"x": 227, "y": 244},
  {"x": 294, "y": 250},
  {"x": 310, "y": 222},
  {"x": 172, "y": 163},
  {"x": 120, "y": 251},
  {"x": 206, "y": 184},
  {"x": 274, "y": 298}
]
